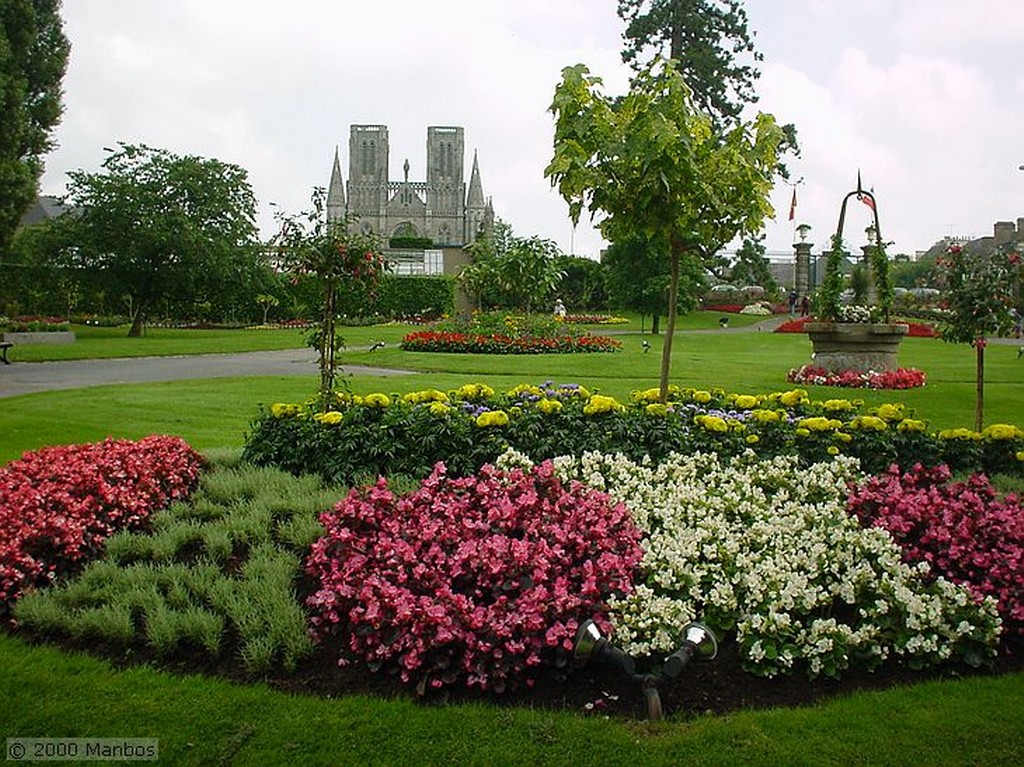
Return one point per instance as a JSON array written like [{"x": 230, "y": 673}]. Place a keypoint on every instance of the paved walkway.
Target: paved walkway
[{"x": 29, "y": 377}]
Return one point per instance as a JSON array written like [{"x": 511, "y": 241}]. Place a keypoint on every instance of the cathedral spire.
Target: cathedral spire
[
  {"x": 336, "y": 192},
  {"x": 475, "y": 197}
]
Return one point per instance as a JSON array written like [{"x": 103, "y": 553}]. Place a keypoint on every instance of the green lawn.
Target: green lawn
[{"x": 203, "y": 721}]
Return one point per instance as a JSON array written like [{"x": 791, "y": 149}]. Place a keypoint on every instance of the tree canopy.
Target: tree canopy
[
  {"x": 983, "y": 293},
  {"x": 638, "y": 276},
  {"x": 708, "y": 40},
  {"x": 513, "y": 272},
  {"x": 650, "y": 164},
  {"x": 33, "y": 59},
  {"x": 154, "y": 226}
]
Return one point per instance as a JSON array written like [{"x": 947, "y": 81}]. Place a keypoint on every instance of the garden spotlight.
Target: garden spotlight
[{"x": 698, "y": 642}]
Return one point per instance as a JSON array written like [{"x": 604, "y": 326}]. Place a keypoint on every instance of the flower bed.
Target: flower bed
[
  {"x": 962, "y": 530},
  {"x": 901, "y": 378},
  {"x": 505, "y": 333},
  {"x": 478, "y": 580},
  {"x": 916, "y": 329},
  {"x": 58, "y": 505},
  {"x": 767, "y": 549},
  {"x": 378, "y": 434},
  {"x": 594, "y": 319},
  {"x": 469, "y": 343}
]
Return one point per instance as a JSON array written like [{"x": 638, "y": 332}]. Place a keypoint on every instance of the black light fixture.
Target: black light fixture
[{"x": 698, "y": 642}]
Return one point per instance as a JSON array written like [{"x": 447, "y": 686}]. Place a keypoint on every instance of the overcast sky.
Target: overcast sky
[{"x": 924, "y": 97}]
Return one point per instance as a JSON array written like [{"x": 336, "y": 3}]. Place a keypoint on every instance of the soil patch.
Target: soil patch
[{"x": 715, "y": 687}]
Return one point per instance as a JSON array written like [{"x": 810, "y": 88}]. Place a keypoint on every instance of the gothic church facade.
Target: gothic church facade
[{"x": 440, "y": 208}]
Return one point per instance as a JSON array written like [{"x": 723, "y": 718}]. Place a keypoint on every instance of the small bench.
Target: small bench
[{"x": 4, "y": 346}]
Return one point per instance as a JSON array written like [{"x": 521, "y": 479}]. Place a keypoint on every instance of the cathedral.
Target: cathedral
[{"x": 441, "y": 208}]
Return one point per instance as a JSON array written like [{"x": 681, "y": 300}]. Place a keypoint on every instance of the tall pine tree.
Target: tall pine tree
[
  {"x": 708, "y": 39},
  {"x": 33, "y": 59}
]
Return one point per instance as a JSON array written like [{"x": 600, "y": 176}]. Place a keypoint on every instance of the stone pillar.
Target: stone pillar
[
  {"x": 871, "y": 294},
  {"x": 802, "y": 273}
]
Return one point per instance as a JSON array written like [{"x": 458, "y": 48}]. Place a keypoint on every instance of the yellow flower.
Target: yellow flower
[
  {"x": 842, "y": 436},
  {"x": 819, "y": 423},
  {"x": 911, "y": 424},
  {"x": 657, "y": 409},
  {"x": 702, "y": 396},
  {"x": 833, "y": 450},
  {"x": 1020, "y": 455},
  {"x": 599, "y": 404},
  {"x": 283, "y": 410},
  {"x": 647, "y": 395},
  {"x": 549, "y": 406},
  {"x": 745, "y": 401},
  {"x": 492, "y": 418},
  {"x": 890, "y": 412},
  {"x": 960, "y": 433},
  {"x": 427, "y": 395},
  {"x": 331, "y": 417},
  {"x": 753, "y": 439},
  {"x": 377, "y": 400},
  {"x": 1002, "y": 431},
  {"x": 474, "y": 392},
  {"x": 765, "y": 416},
  {"x": 712, "y": 423},
  {"x": 837, "y": 405},
  {"x": 802, "y": 433},
  {"x": 524, "y": 388},
  {"x": 439, "y": 408},
  {"x": 868, "y": 423},
  {"x": 794, "y": 397}
]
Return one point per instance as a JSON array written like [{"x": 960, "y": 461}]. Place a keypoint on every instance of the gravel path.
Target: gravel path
[{"x": 29, "y": 377}]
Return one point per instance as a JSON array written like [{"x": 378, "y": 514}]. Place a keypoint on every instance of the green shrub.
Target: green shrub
[
  {"x": 224, "y": 565},
  {"x": 381, "y": 435}
]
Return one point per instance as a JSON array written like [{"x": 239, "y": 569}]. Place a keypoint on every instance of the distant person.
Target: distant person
[
  {"x": 805, "y": 306},
  {"x": 792, "y": 302},
  {"x": 559, "y": 309}
]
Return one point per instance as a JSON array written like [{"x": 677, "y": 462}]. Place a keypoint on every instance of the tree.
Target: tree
[
  {"x": 704, "y": 38},
  {"x": 655, "y": 166},
  {"x": 310, "y": 244},
  {"x": 513, "y": 272},
  {"x": 154, "y": 226},
  {"x": 528, "y": 274},
  {"x": 583, "y": 283},
  {"x": 638, "y": 276},
  {"x": 982, "y": 293},
  {"x": 33, "y": 59},
  {"x": 751, "y": 267},
  {"x": 267, "y": 302}
]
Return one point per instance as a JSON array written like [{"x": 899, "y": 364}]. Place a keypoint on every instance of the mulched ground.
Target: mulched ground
[{"x": 713, "y": 687}]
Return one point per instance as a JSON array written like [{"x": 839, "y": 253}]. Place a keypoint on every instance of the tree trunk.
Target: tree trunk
[
  {"x": 138, "y": 320},
  {"x": 655, "y": 327},
  {"x": 979, "y": 401},
  {"x": 666, "y": 349},
  {"x": 328, "y": 331}
]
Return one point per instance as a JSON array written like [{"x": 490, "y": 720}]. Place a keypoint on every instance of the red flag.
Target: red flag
[
  {"x": 792, "y": 206},
  {"x": 869, "y": 201}
]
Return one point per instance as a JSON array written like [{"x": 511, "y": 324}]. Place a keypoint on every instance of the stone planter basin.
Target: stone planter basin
[
  {"x": 42, "y": 337},
  {"x": 860, "y": 346}
]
